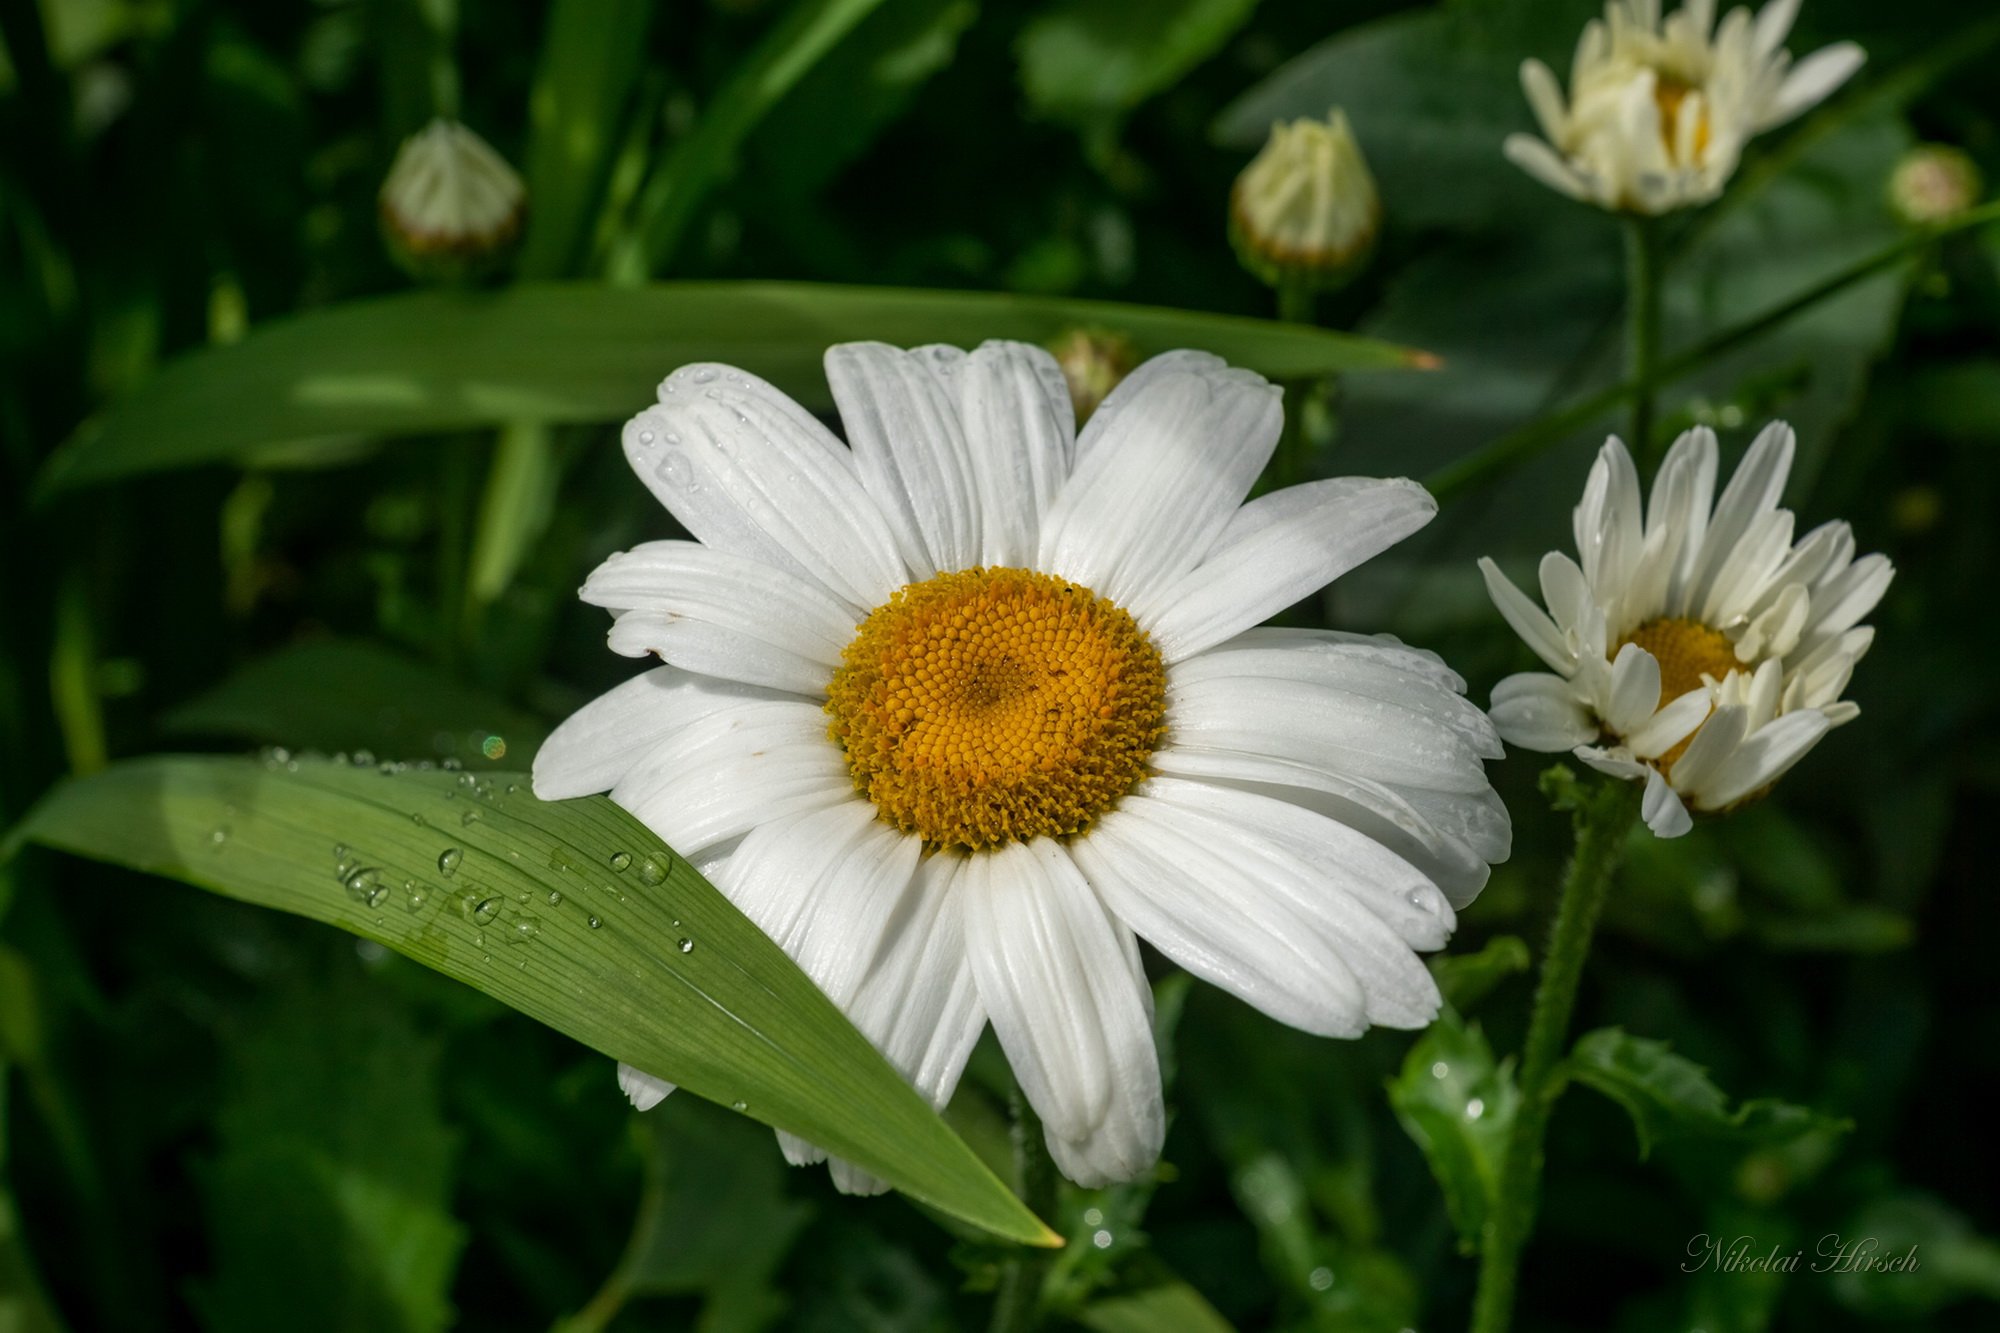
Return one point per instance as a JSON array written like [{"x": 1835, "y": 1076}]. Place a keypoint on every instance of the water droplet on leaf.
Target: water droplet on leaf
[{"x": 448, "y": 860}]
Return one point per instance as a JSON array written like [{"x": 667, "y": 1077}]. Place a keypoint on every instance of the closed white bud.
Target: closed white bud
[
  {"x": 450, "y": 202},
  {"x": 1934, "y": 182},
  {"x": 1093, "y": 361},
  {"x": 1305, "y": 210}
]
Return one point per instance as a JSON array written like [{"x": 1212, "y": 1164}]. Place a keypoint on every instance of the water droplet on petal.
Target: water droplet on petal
[
  {"x": 704, "y": 375},
  {"x": 448, "y": 860},
  {"x": 620, "y": 860},
  {"x": 675, "y": 470},
  {"x": 645, "y": 437}
]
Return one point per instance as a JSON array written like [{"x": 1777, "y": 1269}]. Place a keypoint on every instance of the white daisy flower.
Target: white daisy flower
[
  {"x": 959, "y": 710},
  {"x": 1699, "y": 649},
  {"x": 1659, "y": 111}
]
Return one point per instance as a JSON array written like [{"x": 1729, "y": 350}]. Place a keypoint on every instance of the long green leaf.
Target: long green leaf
[
  {"x": 568, "y": 352},
  {"x": 571, "y": 912}
]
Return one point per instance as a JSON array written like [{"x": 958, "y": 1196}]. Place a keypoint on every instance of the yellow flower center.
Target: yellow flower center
[
  {"x": 997, "y": 705},
  {"x": 1668, "y": 94},
  {"x": 1686, "y": 650}
]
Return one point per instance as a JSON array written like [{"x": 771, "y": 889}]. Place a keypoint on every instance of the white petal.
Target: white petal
[
  {"x": 1528, "y": 620},
  {"x": 1545, "y": 98},
  {"x": 1538, "y": 711},
  {"x": 699, "y": 582},
  {"x": 1683, "y": 495},
  {"x": 1545, "y": 164},
  {"x": 1846, "y": 598},
  {"x": 1671, "y": 725},
  {"x": 1635, "y": 690},
  {"x": 1710, "y": 748},
  {"x": 723, "y": 775},
  {"x": 1811, "y": 80},
  {"x": 600, "y": 742},
  {"x": 1293, "y": 719},
  {"x": 909, "y": 451},
  {"x": 1566, "y": 592},
  {"x": 1276, "y": 550},
  {"x": 1662, "y": 809},
  {"x": 1385, "y": 671},
  {"x": 1020, "y": 432},
  {"x": 746, "y": 469},
  {"x": 1161, "y": 469},
  {"x": 1616, "y": 762},
  {"x": 1752, "y": 492},
  {"x": 824, "y": 885},
  {"x": 642, "y": 1089},
  {"x": 1362, "y": 887},
  {"x": 1250, "y": 917},
  {"x": 712, "y": 650},
  {"x": 1762, "y": 758},
  {"x": 1053, "y": 974},
  {"x": 1774, "y": 23},
  {"x": 1607, "y": 522}
]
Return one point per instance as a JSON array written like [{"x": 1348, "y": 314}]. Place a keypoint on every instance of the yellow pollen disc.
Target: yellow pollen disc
[
  {"x": 1668, "y": 94},
  {"x": 1686, "y": 650},
  {"x": 997, "y": 705}
]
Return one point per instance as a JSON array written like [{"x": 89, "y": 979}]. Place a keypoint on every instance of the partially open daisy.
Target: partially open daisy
[
  {"x": 959, "y": 709},
  {"x": 1699, "y": 649},
  {"x": 1659, "y": 110}
]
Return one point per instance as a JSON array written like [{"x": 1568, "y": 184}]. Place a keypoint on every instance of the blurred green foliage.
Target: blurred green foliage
[{"x": 217, "y": 1118}]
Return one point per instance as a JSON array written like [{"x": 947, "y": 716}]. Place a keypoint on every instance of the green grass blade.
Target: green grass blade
[
  {"x": 524, "y": 900},
  {"x": 810, "y": 30},
  {"x": 575, "y": 352}
]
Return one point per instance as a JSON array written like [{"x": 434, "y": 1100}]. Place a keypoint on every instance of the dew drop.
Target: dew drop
[
  {"x": 595, "y": 923},
  {"x": 448, "y": 860},
  {"x": 365, "y": 886},
  {"x": 218, "y": 835},
  {"x": 559, "y": 859},
  {"x": 739, "y": 1106},
  {"x": 450, "y": 765},
  {"x": 415, "y": 895},
  {"x": 650, "y": 871},
  {"x": 417, "y": 818},
  {"x": 479, "y": 909},
  {"x": 620, "y": 860},
  {"x": 675, "y": 470},
  {"x": 672, "y": 438},
  {"x": 555, "y": 897},
  {"x": 364, "y": 759},
  {"x": 645, "y": 437},
  {"x": 340, "y": 851},
  {"x": 468, "y": 819},
  {"x": 525, "y": 929},
  {"x": 704, "y": 375},
  {"x": 1423, "y": 900},
  {"x": 687, "y": 945}
]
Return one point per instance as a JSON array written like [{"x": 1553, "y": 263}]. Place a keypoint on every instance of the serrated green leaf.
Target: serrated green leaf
[
  {"x": 345, "y": 694},
  {"x": 1458, "y": 1105},
  {"x": 1669, "y": 1096},
  {"x": 526, "y": 901},
  {"x": 330, "y": 1196},
  {"x": 1467, "y": 978},
  {"x": 570, "y": 352},
  {"x": 1085, "y": 59}
]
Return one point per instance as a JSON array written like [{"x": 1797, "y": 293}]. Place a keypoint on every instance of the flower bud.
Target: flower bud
[
  {"x": 1093, "y": 361},
  {"x": 1305, "y": 210},
  {"x": 450, "y": 205},
  {"x": 1933, "y": 182}
]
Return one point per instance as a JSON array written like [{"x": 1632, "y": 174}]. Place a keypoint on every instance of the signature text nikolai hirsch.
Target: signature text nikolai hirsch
[{"x": 1834, "y": 1254}]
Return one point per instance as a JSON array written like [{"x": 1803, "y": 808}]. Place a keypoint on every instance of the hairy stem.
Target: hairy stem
[
  {"x": 1603, "y": 811},
  {"x": 1017, "y": 1304}
]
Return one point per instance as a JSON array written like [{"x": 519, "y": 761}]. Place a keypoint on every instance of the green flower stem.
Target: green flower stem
[
  {"x": 1642, "y": 327},
  {"x": 1017, "y": 1305},
  {"x": 1603, "y": 812},
  {"x": 1297, "y": 304}
]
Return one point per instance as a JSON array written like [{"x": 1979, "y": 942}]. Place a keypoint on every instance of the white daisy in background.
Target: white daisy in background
[
  {"x": 1699, "y": 649},
  {"x": 1659, "y": 111},
  {"x": 959, "y": 712}
]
